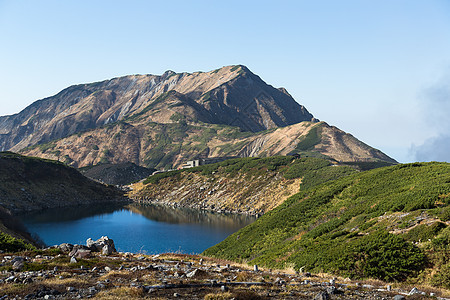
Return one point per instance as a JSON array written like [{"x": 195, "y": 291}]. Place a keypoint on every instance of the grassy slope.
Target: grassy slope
[
  {"x": 287, "y": 165},
  {"x": 343, "y": 227},
  {"x": 251, "y": 185}
]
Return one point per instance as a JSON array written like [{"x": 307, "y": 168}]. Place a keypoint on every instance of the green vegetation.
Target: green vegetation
[
  {"x": 11, "y": 244},
  {"x": 314, "y": 171},
  {"x": 312, "y": 138},
  {"x": 343, "y": 226},
  {"x": 206, "y": 96},
  {"x": 177, "y": 117},
  {"x": 47, "y": 146}
]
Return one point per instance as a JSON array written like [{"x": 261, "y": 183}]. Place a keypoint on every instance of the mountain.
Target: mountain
[
  {"x": 163, "y": 121},
  {"x": 169, "y": 145},
  {"x": 390, "y": 223},
  {"x": 231, "y": 95},
  {"x": 28, "y": 183}
]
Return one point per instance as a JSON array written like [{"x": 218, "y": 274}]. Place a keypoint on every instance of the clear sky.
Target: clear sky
[{"x": 379, "y": 70}]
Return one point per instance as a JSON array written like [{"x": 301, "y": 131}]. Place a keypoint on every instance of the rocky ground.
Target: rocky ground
[{"x": 56, "y": 273}]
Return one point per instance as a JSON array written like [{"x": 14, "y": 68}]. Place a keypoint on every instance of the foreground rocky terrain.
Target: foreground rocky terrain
[{"x": 55, "y": 274}]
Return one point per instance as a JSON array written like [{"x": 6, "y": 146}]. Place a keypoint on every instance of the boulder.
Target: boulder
[
  {"x": 75, "y": 248},
  {"x": 18, "y": 265},
  {"x": 322, "y": 296},
  {"x": 65, "y": 247},
  {"x": 91, "y": 244},
  {"x": 80, "y": 251},
  {"x": 99, "y": 245},
  {"x": 107, "y": 250},
  {"x": 83, "y": 253}
]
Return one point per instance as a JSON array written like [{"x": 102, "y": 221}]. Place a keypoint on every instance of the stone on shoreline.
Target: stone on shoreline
[{"x": 103, "y": 244}]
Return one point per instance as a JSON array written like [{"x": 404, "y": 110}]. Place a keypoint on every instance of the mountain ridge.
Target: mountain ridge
[
  {"x": 86, "y": 106},
  {"x": 163, "y": 121}
]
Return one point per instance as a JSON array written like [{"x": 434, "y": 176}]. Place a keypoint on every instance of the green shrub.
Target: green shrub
[
  {"x": 11, "y": 244},
  {"x": 424, "y": 232},
  {"x": 442, "y": 277},
  {"x": 380, "y": 255},
  {"x": 312, "y": 138}
]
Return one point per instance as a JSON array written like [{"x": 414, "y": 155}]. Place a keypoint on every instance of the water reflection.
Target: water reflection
[
  {"x": 166, "y": 214},
  {"x": 66, "y": 214},
  {"x": 136, "y": 228}
]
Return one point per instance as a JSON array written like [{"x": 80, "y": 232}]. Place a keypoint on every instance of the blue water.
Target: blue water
[{"x": 134, "y": 228}]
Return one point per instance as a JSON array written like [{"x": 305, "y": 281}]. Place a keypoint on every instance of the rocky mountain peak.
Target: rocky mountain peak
[{"x": 231, "y": 95}]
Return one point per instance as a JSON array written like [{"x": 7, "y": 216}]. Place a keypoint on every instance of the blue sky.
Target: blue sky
[{"x": 379, "y": 70}]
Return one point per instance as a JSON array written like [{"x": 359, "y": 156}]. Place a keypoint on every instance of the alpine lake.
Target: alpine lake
[{"x": 136, "y": 228}]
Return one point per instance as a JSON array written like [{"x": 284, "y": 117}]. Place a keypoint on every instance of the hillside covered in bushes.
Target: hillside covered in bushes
[
  {"x": 389, "y": 223},
  {"x": 250, "y": 185}
]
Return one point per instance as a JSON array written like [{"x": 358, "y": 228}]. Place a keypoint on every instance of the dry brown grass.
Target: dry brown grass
[
  {"x": 74, "y": 282},
  {"x": 120, "y": 293},
  {"x": 219, "y": 296}
]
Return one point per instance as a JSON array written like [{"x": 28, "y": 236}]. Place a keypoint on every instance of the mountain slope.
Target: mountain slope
[
  {"x": 116, "y": 174},
  {"x": 28, "y": 183},
  {"x": 170, "y": 145},
  {"x": 384, "y": 223},
  {"x": 230, "y": 95},
  {"x": 163, "y": 121},
  {"x": 241, "y": 185}
]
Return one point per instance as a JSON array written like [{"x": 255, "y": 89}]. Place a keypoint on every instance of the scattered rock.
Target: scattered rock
[
  {"x": 65, "y": 247},
  {"x": 99, "y": 245},
  {"x": 18, "y": 265},
  {"x": 107, "y": 250},
  {"x": 192, "y": 273},
  {"x": 73, "y": 260},
  {"x": 332, "y": 290},
  {"x": 322, "y": 296}
]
